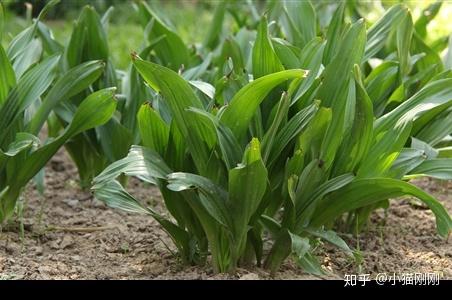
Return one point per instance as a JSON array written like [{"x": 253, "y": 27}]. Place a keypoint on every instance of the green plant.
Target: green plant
[
  {"x": 93, "y": 149},
  {"x": 241, "y": 141},
  {"x": 30, "y": 88},
  {"x": 293, "y": 153}
]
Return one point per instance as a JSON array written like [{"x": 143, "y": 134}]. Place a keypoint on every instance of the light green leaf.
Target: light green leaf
[
  {"x": 364, "y": 192},
  {"x": 71, "y": 83},
  {"x": 440, "y": 168},
  {"x": 179, "y": 96},
  {"x": 265, "y": 60},
  {"x": 247, "y": 185},
  {"x": 238, "y": 114},
  {"x": 154, "y": 131}
]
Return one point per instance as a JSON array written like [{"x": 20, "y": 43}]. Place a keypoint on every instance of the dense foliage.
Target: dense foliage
[
  {"x": 31, "y": 87},
  {"x": 295, "y": 124}
]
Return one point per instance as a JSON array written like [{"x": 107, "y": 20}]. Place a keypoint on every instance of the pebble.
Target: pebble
[
  {"x": 154, "y": 269},
  {"x": 38, "y": 250},
  {"x": 66, "y": 242},
  {"x": 72, "y": 202},
  {"x": 44, "y": 269},
  {"x": 76, "y": 258},
  {"x": 12, "y": 248},
  {"x": 249, "y": 276},
  {"x": 54, "y": 245},
  {"x": 98, "y": 204}
]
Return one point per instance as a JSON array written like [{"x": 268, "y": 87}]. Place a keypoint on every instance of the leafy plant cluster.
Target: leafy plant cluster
[{"x": 295, "y": 124}]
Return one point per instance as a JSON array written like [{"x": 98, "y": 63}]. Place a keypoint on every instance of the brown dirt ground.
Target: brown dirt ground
[{"x": 58, "y": 241}]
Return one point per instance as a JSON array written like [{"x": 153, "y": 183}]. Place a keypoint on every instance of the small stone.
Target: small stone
[
  {"x": 44, "y": 269},
  {"x": 66, "y": 242},
  {"x": 250, "y": 276},
  {"x": 71, "y": 202},
  {"x": 12, "y": 248},
  {"x": 54, "y": 245},
  {"x": 76, "y": 258},
  {"x": 154, "y": 269},
  {"x": 98, "y": 204},
  {"x": 38, "y": 250}
]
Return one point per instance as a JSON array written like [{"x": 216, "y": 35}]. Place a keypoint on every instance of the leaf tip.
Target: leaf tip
[{"x": 134, "y": 55}]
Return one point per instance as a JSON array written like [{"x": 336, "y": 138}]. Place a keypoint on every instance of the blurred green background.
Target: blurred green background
[{"x": 191, "y": 18}]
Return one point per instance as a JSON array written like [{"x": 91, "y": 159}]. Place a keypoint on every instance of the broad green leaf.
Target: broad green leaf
[
  {"x": 437, "y": 129},
  {"x": 230, "y": 148},
  {"x": 7, "y": 76},
  {"x": 20, "y": 42},
  {"x": 285, "y": 244},
  {"x": 216, "y": 27},
  {"x": 265, "y": 60},
  {"x": 179, "y": 96},
  {"x": 154, "y": 131},
  {"x": 428, "y": 151},
  {"x": 71, "y": 83},
  {"x": 2, "y": 21},
  {"x": 440, "y": 168},
  {"x": 247, "y": 185},
  {"x": 88, "y": 40},
  {"x": 30, "y": 55},
  {"x": 114, "y": 195},
  {"x": 331, "y": 237},
  {"x": 305, "y": 211},
  {"x": 430, "y": 61},
  {"x": 287, "y": 53},
  {"x": 432, "y": 95},
  {"x": 311, "y": 139},
  {"x": 386, "y": 148},
  {"x": 22, "y": 143},
  {"x": 115, "y": 139},
  {"x": 294, "y": 166},
  {"x": 340, "y": 94},
  {"x": 302, "y": 21},
  {"x": 357, "y": 143},
  {"x": 238, "y": 114},
  {"x": 311, "y": 59},
  {"x": 445, "y": 152},
  {"x": 310, "y": 264},
  {"x": 171, "y": 50},
  {"x": 407, "y": 160},
  {"x": 231, "y": 49},
  {"x": 211, "y": 196},
  {"x": 196, "y": 72},
  {"x": 364, "y": 192},
  {"x": 29, "y": 88},
  {"x": 380, "y": 83},
  {"x": 94, "y": 111},
  {"x": 309, "y": 180},
  {"x": 206, "y": 88},
  {"x": 350, "y": 52},
  {"x": 404, "y": 34},
  {"x": 341, "y": 121},
  {"x": 142, "y": 163},
  {"x": 291, "y": 130},
  {"x": 380, "y": 30},
  {"x": 281, "y": 115},
  {"x": 334, "y": 34},
  {"x": 50, "y": 45}
]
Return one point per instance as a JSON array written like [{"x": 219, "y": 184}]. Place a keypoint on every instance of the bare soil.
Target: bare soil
[{"x": 69, "y": 235}]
